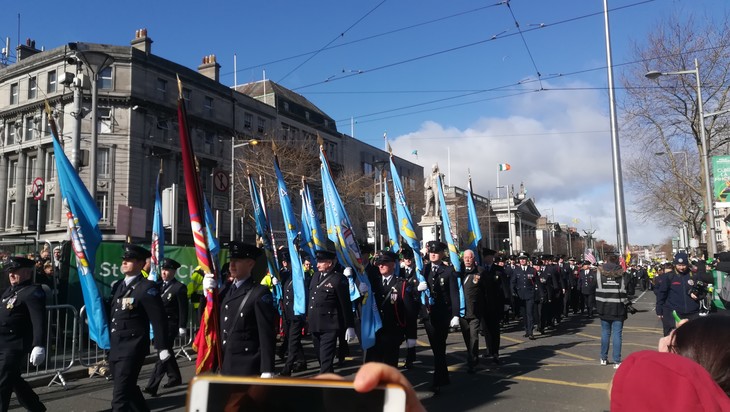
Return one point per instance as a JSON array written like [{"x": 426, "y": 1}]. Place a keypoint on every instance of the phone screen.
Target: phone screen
[{"x": 295, "y": 398}]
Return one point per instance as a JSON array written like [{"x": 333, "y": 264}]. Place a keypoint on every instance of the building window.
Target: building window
[
  {"x": 247, "y": 121},
  {"x": 103, "y": 162},
  {"x": 162, "y": 88},
  {"x": 50, "y": 167},
  {"x": 14, "y": 93},
  {"x": 29, "y": 128},
  {"x": 208, "y": 105},
  {"x": 12, "y": 172},
  {"x": 367, "y": 168},
  {"x": 261, "y": 125},
  {"x": 105, "y": 81},
  {"x": 102, "y": 202},
  {"x": 187, "y": 95},
  {"x": 50, "y": 207},
  {"x": 11, "y": 133},
  {"x": 30, "y": 170},
  {"x": 32, "y": 87},
  {"x": 104, "y": 120},
  {"x": 10, "y": 218},
  {"x": 286, "y": 106},
  {"x": 51, "y": 83},
  {"x": 209, "y": 142},
  {"x": 718, "y": 236}
]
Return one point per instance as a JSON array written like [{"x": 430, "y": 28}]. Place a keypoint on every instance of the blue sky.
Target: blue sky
[{"x": 438, "y": 76}]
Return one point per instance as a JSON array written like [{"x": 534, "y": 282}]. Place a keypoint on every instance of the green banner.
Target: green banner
[{"x": 721, "y": 181}]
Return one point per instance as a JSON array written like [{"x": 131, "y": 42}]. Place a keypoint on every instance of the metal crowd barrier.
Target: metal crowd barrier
[
  {"x": 90, "y": 355},
  {"x": 192, "y": 329},
  {"x": 61, "y": 344}
]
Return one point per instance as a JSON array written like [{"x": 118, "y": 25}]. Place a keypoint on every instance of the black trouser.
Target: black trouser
[
  {"x": 169, "y": 367},
  {"x": 126, "y": 395},
  {"x": 556, "y": 308},
  {"x": 11, "y": 363},
  {"x": 470, "y": 331},
  {"x": 325, "y": 345},
  {"x": 490, "y": 325},
  {"x": 294, "y": 333},
  {"x": 528, "y": 311},
  {"x": 590, "y": 302},
  {"x": 386, "y": 348},
  {"x": 437, "y": 330},
  {"x": 566, "y": 303},
  {"x": 543, "y": 314}
]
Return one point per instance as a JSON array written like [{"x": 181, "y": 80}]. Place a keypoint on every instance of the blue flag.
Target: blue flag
[
  {"x": 453, "y": 252},
  {"x": 339, "y": 230},
  {"x": 83, "y": 223},
  {"x": 157, "y": 246},
  {"x": 290, "y": 222},
  {"x": 405, "y": 226},
  {"x": 475, "y": 233},
  {"x": 392, "y": 232},
  {"x": 262, "y": 231},
  {"x": 213, "y": 245},
  {"x": 314, "y": 236}
]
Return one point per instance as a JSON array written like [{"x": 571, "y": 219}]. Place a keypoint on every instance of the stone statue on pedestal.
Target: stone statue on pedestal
[{"x": 431, "y": 193}]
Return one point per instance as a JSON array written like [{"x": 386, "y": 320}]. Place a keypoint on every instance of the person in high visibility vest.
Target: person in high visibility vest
[{"x": 195, "y": 293}]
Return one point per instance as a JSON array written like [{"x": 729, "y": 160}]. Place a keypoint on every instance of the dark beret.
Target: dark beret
[
  {"x": 134, "y": 252},
  {"x": 240, "y": 250},
  {"x": 170, "y": 264}
]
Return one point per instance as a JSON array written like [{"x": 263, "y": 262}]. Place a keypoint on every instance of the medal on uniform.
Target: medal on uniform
[
  {"x": 11, "y": 302},
  {"x": 169, "y": 296},
  {"x": 127, "y": 303}
]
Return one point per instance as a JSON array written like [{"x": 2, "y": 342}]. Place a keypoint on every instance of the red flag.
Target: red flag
[{"x": 206, "y": 342}]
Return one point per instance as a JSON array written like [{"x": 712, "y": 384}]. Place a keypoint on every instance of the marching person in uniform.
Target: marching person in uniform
[
  {"x": 412, "y": 302},
  {"x": 247, "y": 314},
  {"x": 295, "y": 360},
  {"x": 330, "y": 309},
  {"x": 494, "y": 301},
  {"x": 523, "y": 285},
  {"x": 135, "y": 304},
  {"x": 474, "y": 299},
  {"x": 443, "y": 312},
  {"x": 175, "y": 302},
  {"x": 587, "y": 285},
  {"x": 22, "y": 327}
]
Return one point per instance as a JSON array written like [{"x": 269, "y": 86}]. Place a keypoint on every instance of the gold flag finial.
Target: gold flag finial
[{"x": 179, "y": 87}]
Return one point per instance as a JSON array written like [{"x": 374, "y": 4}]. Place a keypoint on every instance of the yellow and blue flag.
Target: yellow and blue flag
[
  {"x": 292, "y": 230},
  {"x": 83, "y": 224},
  {"x": 453, "y": 251},
  {"x": 392, "y": 232},
  {"x": 312, "y": 236},
  {"x": 157, "y": 246},
  {"x": 339, "y": 230},
  {"x": 264, "y": 233},
  {"x": 475, "y": 233}
]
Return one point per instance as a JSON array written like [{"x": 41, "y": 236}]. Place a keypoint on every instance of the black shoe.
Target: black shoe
[
  {"x": 300, "y": 367},
  {"x": 150, "y": 391},
  {"x": 496, "y": 360},
  {"x": 172, "y": 384},
  {"x": 410, "y": 358},
  {"x": 527, "y": 335},
  {"x": 285, "y": 372},
  {"x": 532, "y": 337}
]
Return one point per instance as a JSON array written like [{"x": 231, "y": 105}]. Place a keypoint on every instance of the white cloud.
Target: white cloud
[{"x": 559, "y": 145}]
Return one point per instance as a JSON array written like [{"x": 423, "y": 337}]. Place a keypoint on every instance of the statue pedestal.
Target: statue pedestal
[{"x": 430, "y": 226}]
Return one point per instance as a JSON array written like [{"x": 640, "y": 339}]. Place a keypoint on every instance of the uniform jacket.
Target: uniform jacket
[
  {"x": 175, "y": 301},
  {"x": 289, "y": 297},
  {"x": 523, "y": 282},
  {"x": 444, "y": 290},
  {"x": 571, "y": 276},
  {"x": 556, "y": 279},
  {"x": 611, "y": 292},
  {"x": 133, "y": 308},
  {"x": 329, "y": 302},
  {"x": 544, "y": 286},
  {"x": 474, "y": 296},
  {"x": 493, "y": 280},
  {"x": 390, "y": 300},
  {"x": 673, "y": 293},
  {"x": 587, "y": 281},
  {"x": 247, "y": 335},
  {"x": 23, "y": 317}
]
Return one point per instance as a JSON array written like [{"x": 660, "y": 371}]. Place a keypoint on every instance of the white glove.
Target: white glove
[
  {"x": 410, "y": 343},
  {"x": 37, "y": 355},
  {"x": 422, "y": 286},
  {"x": 267, "y": 375},
  {"x": 363, "y": 288},
  {"x": 181, "y": 332},
  {"x": 274, "y": 281},
  {"x": 348, "y": 272},
  {"x": 164, "y": 355},
  {"x": 209, "y": 281},
  {"x": 454, "y": 322},
  {"x": 350, "y": 335}
]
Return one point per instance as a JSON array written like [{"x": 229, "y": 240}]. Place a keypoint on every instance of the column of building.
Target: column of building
[
  {"x": 3, "y": 191},
  {"x": 19, "y": 192}
]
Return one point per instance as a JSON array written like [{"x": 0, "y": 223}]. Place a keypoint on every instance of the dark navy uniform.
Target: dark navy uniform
[
  {"x": 295, "y": 361},
  {"x": 22, "y": 327},
  {"x": 544, "y": 299},
  {"x": 330, "y": 311},
  {"x": 135, "y": 304},
  {"x": 175, "y": 303},
  {"x": 413, "y": 306},
  {"x": 390, "y": 295},
  {"x": 471, "y": 323},
  {"x": 444, "y": 306},
  {"x": 675, "y": 289},
  {"x": 523, "y": 285},
  {"x": 492, "y": 280},
  {"x": 587, "y": 286}
]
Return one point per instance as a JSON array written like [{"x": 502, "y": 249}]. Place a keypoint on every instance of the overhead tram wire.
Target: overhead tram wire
[
  {"x": 464, "y": 46},
  {"x": 524, "y": 41},
  {"x": 374, "y": 36},
  {"x": 333, "y": 40}
]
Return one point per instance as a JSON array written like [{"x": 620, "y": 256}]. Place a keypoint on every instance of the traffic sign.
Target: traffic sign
[
  {"x": 221, "y": 180},
  {"x": 38, "y": 188}
]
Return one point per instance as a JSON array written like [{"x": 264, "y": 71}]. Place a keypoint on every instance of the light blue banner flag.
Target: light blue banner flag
[
  {"x": 315, "y": 236},
  {"x": 83, "y": 223},
  {"x": 306, "y": 243},
  {"x": 405, "y": 226},
  {"x": 453, "y": 252},
  {"x": 339, "y": 230},
  {"x": 213, "y": 245},
  {"x": 157, "y": 246},
  {"x": 392, "y": 232},
  {"x": 292, "y": 230},
  {"x": 475, "y": 233},
  {"x": 262, "y": 231}
]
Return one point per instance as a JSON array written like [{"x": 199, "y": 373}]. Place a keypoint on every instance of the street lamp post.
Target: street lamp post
[
  {"x": 251, "y": 142},
  {"x": 709, "y": 215}
]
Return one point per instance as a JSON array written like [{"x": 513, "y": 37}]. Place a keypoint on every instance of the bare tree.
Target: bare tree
[{"x": 662, "y": 117}]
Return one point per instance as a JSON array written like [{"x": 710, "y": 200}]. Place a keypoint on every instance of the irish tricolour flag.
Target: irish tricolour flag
[{"x": 504, "y": 166}]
